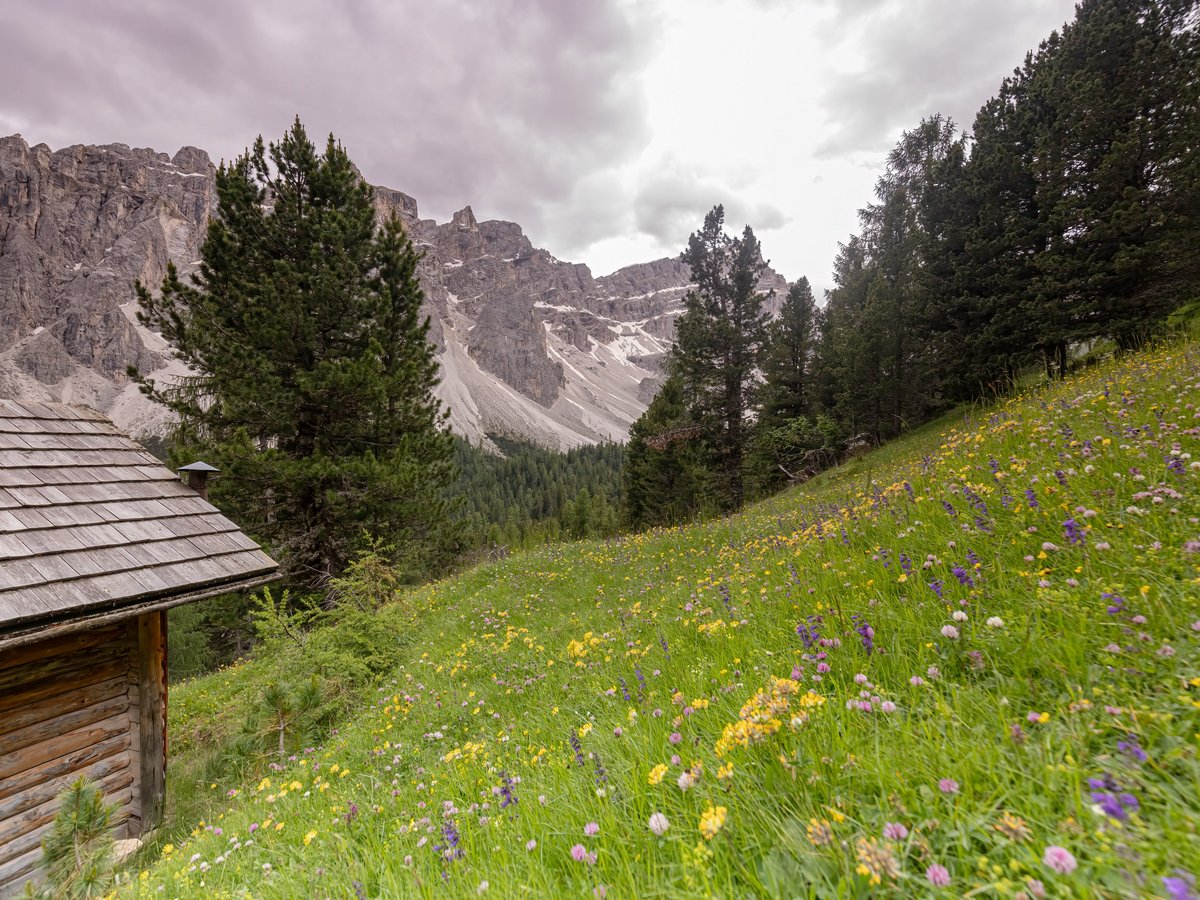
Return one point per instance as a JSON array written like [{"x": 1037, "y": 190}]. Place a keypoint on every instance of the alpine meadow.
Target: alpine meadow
[
  {"x": 685, "y": 580},
  {"x": 964, "y": 663}
]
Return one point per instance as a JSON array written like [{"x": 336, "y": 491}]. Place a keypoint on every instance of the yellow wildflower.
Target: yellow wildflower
[{"x": 712, "y": 820}]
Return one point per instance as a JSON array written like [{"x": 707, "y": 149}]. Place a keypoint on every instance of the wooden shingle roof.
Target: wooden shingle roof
[{"x": 91, "y": 521}]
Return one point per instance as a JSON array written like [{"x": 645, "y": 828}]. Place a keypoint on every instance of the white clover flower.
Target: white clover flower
[
  {"x": 659, "y": 824},
  {"x": 995, "y": 622}
]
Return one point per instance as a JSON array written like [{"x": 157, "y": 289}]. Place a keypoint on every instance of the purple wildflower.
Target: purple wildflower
[
  {"x": 449, "y": 850},
  {"x": 1131, "y": 747},
  {"x": 577, "y": 747},
  {"x": 1060, "y": 859},
  {"x": 1180, "y": 886},
  {"x": 507, "y": 797},
  {"x": 1074, "y": 532},
  {"x": 867, "y": 633},
  {"x": 937, "y": 875}
]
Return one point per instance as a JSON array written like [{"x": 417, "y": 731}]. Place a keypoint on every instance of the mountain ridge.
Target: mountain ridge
[{"x": 529, "y": 346}]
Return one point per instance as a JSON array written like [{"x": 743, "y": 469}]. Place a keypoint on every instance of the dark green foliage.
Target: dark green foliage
[
  {"x": 320, "y": 662},
  {"x": 793, "y": 451},
  {"x": 790, "y": 356},
  {"x": 881, "y": 372},
  {"x": 1116, "y": 166},
  {"x": 786, "y": 442},
  {"x": 1069, "y": 217},
  {"x": 77, "y": 852},
  {"x": 531, "y": 495},
  {"x": 666, "y": 478},
  {"x": 287, "y": 718},
  {"x": 189, "y": 641},
  {"x": 719, "y": 339},
  {"x": 204, "y": 636},
  {"x": 315, "y": 375}
]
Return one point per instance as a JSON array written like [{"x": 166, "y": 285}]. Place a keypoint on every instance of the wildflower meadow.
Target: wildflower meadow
[{"x": 965, "y": 664}]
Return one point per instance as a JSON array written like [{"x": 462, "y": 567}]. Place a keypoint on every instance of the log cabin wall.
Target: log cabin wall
[
  {"x": 91, "y": 704},
  {"x": 97, "y": 539}
]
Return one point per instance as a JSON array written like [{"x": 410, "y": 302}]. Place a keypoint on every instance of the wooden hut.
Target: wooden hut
[{"x": 97, "y": 540}]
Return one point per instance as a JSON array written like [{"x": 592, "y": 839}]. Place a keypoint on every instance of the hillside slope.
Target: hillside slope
[{"x": 967, "y": 662}]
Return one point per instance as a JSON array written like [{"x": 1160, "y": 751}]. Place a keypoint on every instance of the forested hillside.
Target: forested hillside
[
  {"x": 531, "y": 495},
  {"x": 1064, "y": 218}
]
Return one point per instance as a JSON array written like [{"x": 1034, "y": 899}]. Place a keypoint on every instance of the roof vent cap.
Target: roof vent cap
[{"x": 197, "y": 477}]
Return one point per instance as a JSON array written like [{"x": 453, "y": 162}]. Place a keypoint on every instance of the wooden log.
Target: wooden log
[
  {"x": 33, "y": 839},
  {"x": 23, "y": 844},
  {"x": 61, "y": 744},
  {"x": 58, "y": 666},
  {"x": 152, "y": 719},
  {"x": 70, "y": 700},
  {"x": 35, "y": 817},
  {"x": 70, "y": 645},
  {"x": 15, "y": 872},
  {"x": 49, "y": 789},
  {"x": 35, "y": 692},
  {"x": 65, "y": 764},
  {"x": 62, "y": 724}
]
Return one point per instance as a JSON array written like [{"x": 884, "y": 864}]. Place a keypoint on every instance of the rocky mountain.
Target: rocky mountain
[{"x": 530, "y": 346}]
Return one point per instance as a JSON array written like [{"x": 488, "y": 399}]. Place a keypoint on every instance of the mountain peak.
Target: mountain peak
[{"x": 465, "y": 220}]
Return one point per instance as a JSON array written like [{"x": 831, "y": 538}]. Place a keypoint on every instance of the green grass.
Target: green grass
[{"x": 565, "y": 676}]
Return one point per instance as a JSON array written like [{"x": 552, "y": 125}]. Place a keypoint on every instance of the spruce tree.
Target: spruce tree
[
  {"x": 788, "y": 356},
  {"x": 782, "y": 437},
  {"x": 1116, "y": 168},
  {"x": 718, "y": 341},
  {"x": 313, "y": 372},
  {"x": 665, "y": 478}
]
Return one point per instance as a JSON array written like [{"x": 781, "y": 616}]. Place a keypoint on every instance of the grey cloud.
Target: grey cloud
[
  {"x": 504, "y": 104},
  {"x": 671, "y": 203},
  {"x": 923, "y": 57}
]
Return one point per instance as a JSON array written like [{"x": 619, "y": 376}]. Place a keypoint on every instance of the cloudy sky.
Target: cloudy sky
[{"x": 607, "y": 128}]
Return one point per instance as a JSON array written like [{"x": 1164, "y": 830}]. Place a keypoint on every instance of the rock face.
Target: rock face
[
  {"x": 530, "y": 346},
  {"x": 77, "y": 226}
]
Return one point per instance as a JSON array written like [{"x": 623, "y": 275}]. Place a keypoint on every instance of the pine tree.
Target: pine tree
[
  {"x": 77, "y": 850},
  {"x": 718, "y": 340},
  {"x": 665, "y": 478},
  {"x": 314, "y": 374},
  {"x": 789, "y": 351},
  {"x": 901, "y": 243},
  {"x": 1001, "y": 232},
  {"x": 785, "y": 445},
  {"x": 1116, "y": 168},
  {"x": 850, "y": 351}
]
